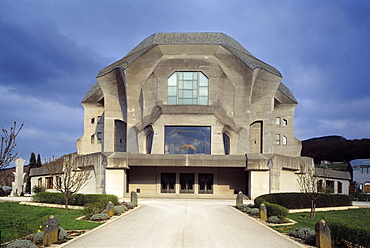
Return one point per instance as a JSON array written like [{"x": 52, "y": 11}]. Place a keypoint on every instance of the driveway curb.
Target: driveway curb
[
  {"x": 97, "y": 228},
  {"x": 284, "y": 236}
]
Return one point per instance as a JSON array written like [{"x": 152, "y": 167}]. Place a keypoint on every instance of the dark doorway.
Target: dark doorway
[
  {"x": 168, "y": 182},
  {"x": 187, "y": 183},
  {"x": 205, "y": 183}
]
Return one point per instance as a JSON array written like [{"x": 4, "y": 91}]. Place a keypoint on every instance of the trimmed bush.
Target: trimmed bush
[
  {"x": 300, "y": 200},
  {"x": 92, "y": 208},
  {"x": 307, "y": 234},
  {"x": 39, "y": 237},
  {"x": 275, "y": 209},
  {"x": 356, "y": 235},
  {"x": 120, "y": 209},
  {"x": 253, "y": 211},
  {"x": 273, "y": 219},
  {"x": 240, "y": 206},
  {"x": 129, "y": 205},
  {"x": 37, "y": 189},
  {"x": 246, "y": 209},
  {"x": 22, "y": 243},
  {"x": 75, "y": 199},
  {"x": 62, "y": 234},
  {"x": 100, "y": 216}
]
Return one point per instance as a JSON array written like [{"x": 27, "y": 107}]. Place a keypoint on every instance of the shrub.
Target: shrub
[
  {"x": 120, "y": 209},
  {"x": 38, "y": 238},
  {"x": 100, "y": 216},
  {"x": 92, "y": 208},
  {"x": 356, "y": 235},
  {"x": 300, "y": 200},
  {"x": 22, "y": 243},
  {"x": 62, "y": 234},
  {"x": 129, "y": 205},
  {"x": 246, "y": 209},
  {"x": 253, "y": 211},
  {"x": 275, "y": 209},
  {"x": 37, "y": 189},
  {"x": 240, "y": 206},
  {"x": 75, "y": 199},
  {"x": 273, "y": 219},
  {"x": 302, "y": 233}
]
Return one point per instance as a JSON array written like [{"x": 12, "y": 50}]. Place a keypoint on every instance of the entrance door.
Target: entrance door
[
  {"x": 187, "y": 183},
  {"x": 205, "y": 183},
  {"x": 168, "y": 182}
]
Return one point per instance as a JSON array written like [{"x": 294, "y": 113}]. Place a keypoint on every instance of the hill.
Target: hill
[{"x": 335, "y": 149}]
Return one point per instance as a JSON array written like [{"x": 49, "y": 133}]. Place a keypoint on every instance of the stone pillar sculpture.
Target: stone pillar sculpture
[
  {"x": 51, "y": 231},
  {"x": 134, "y": 198},
  {"x": 239, "y": 198},
  {"x": 323, "y": 235},
  {"x": 263, "y": 212},
  {"x": 18, "y": 185}
]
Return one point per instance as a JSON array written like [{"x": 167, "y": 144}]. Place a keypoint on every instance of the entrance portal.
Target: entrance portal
[
  {"x": 187, "y": 183},
  {"x": 205, "y": 183},
  {"x": 168, "y": 182}
]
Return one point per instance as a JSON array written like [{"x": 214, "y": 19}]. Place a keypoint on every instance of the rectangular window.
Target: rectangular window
[
  {"x": 278, "y": 121},
  {"x": 285, "y": 122},
  {"x": 187, "y": 140},
  {"x": 99, "y": 137},
  {"x": 92, "y": 140},
  {"x": 100, "y": 120},
  {"x": 285, "y": 140},
  {"x": 92, "y": 120},
  {"x": 187, "y": 88},
  {"x": 49, "y": 182},
  {"x": 339, "y": 187},
  {"x": 39, "y": 182},
  {"x": 277, "y": 139}
]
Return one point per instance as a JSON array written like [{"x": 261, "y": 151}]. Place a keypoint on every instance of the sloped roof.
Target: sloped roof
[{"x": 191, "y": 38}]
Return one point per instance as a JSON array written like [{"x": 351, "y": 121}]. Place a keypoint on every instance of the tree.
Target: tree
[
  {"x": 308, "y": 184},
  {"x": 8, "y": 144},
  {"x": 70, "y": 174},
  {"x": 31, "y": 164},
  {"x": 38, "y": 161}
]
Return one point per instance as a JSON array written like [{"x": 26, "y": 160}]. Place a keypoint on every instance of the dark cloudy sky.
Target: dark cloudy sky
[{"x": 51, "y": 52}]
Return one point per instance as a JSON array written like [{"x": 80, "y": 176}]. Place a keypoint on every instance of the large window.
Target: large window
[
  {"x": 187, "y": 88},
  {"x": 187, "y": 140}
]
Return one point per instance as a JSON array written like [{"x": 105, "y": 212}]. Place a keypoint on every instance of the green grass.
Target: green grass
[
  {"x": 20, "y": 220},
  {"x": 353, "y": 217}
]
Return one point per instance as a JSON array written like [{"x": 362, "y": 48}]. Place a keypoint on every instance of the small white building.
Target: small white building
[{"x": 361, "y": 173}]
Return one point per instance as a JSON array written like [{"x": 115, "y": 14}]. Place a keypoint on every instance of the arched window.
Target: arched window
[
  {"x": 187, "y": 88},
  {"x": 226, "y": 140}
]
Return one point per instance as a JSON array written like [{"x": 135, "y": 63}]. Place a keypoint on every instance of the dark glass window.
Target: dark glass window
[
  {"x": 149, "y": 142},
  {"x": 226, "y": 139},
  {"x": 187, "y": 140}
]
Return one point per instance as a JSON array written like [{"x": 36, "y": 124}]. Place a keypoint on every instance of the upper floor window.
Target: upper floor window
[
  {"x": 187, "y": 88},
  {"x": 187, "y": 140},
  {"x": 226, "y": 140}
]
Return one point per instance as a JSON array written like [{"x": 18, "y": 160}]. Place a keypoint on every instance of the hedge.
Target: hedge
[
  {"x": 300, "y": 200},
  {"x": 355, "y": 235},
  {"x": 75, "y": 199},
  {"x": 276, "y": 210}
]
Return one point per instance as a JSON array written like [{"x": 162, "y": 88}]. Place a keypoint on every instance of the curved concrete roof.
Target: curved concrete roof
[{"x": 191, "y": 38}]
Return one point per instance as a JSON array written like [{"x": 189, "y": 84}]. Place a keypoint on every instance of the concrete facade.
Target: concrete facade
[{"x": 191, "y": 114}]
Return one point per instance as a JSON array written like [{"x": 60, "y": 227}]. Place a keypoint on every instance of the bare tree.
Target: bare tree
[
  {"x": 70, "y": 176},
  {"x": 8, "y": 144},
  {"x": 308, "y": 184}
]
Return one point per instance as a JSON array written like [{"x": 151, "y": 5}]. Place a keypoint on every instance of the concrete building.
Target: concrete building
[
  {"x": 333, "y": 181},
  {"x": 190, "y": 114},
  {"x": 361, "y": 174}
]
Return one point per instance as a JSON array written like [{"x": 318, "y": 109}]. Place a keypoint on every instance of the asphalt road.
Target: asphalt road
[{"x": 183, "y": 223}]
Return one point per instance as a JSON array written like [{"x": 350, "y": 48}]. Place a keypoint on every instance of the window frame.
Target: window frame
[{"x": 183, "y": 89}]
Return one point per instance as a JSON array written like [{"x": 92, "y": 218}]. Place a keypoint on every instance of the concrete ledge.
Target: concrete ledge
[
  {"x": 326, "y": 209},
  {"x": 49, "y": 205}
]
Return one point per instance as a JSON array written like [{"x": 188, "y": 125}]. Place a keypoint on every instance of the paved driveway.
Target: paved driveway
[{"x": 183, "y": 223}]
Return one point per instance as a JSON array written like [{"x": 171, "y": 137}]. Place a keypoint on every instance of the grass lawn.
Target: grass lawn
[
  {"x": 20, "y": 220},
  {"x": 353, "y": 217}
]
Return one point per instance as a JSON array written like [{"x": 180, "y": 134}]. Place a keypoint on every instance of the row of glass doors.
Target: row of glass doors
[{"x": 187, "y": 183}]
